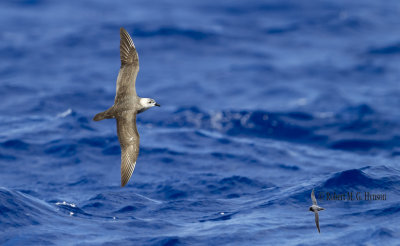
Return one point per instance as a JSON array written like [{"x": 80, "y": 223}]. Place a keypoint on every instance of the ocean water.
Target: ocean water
[{"x": 262, "y": 101}]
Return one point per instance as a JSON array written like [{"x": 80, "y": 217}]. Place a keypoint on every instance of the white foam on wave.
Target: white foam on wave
[
  {"x": 65, "y": 113},
  {"x": 64, "y": 203}
]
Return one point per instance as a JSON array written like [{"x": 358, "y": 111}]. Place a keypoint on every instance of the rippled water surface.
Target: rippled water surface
[{"x": 262, "y": 101}]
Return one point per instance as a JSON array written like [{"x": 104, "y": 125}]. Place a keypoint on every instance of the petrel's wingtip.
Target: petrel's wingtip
[{"x": 124, "y": 181}]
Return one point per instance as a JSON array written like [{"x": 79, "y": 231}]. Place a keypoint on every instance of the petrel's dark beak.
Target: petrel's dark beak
[{"x": 158, "y": 105}]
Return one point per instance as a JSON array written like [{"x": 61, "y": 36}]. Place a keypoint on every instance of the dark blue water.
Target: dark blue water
[{"x": 262, "y": 101}]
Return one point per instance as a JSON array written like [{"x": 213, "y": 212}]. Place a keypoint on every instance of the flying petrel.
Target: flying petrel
[
  {"x": 127, "y": 105},
  {"x": 315, "y": 208}
]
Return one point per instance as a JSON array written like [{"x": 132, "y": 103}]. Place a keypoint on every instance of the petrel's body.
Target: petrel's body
[
  {"x": 126, "y": 106},
  {"x": 315, "y": 208}
]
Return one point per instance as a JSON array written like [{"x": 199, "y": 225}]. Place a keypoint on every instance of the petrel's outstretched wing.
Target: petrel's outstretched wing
[
  {"x": 129, "y": 67},
  {"x": 317, "y": 221},
  {"x": 314, "y": 200},
  {"x": 129, "y": 140}
]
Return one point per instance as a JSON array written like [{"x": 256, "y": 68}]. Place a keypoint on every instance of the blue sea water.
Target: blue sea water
[{"x": 262, "y": 101}]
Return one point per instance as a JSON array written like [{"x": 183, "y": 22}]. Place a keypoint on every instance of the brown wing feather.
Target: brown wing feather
[
  {"x": 129, "y": 67},
  {"x": 127, "y": 49},
  {"x": 317, "y": 221},
  {"x": 129, "y": 140},
  {"x": 314, "y": 200}
]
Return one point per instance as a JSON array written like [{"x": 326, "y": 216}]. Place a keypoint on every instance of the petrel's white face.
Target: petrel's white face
[{"x": 148, "y": 102}]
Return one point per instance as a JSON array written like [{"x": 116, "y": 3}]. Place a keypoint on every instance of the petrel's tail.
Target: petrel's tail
[{"x": 104, "y": 115}]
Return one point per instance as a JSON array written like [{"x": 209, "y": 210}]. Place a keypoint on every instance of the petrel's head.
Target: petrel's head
[{"x": 148, "y": 103}]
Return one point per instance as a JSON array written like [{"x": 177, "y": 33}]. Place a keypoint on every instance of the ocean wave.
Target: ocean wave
[
  {"x": 391, "y": 49},
  {"x": 19, "y": 209},
  {"x": 379, "y": 180},
  {"x": 387, "y": 210},
  {"x": 353, "y": 178},
  {"x": 357, "y": 128},
  {"x": 373, "y": 178},
  {"x": 16, "y": 144},
  {"x": 166, "y": 31},
  {"x": 71, "y": 209},
  {"x": 62, "y": 150},
  {"x": 113, "y": 202}
]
